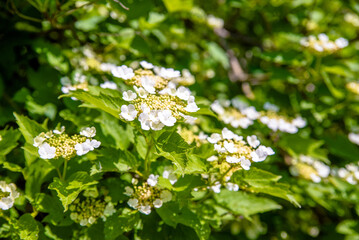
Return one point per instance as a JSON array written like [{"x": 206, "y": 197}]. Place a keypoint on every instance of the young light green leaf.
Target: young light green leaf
[{"x": 68, "y": 190}]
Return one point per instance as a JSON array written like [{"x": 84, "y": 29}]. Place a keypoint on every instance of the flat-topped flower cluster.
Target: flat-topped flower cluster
[
  {"x": 239, "y": 114},
  {"x": 157, "y": 99},
  {"x": 322, "y": 44},
  {"x": 309, "y": 168},
  {"x": 349, "y": 173},
  {"x": 146, "y": 196},
  {"x": 235, "y": 113},
  {"x": 232, "y": 149},
  {"x": 8, "y": 194},
  {"x": 353, "y": 87},
  {"x": 56, "y": 143},
  {"x": 86, "y": 212}
]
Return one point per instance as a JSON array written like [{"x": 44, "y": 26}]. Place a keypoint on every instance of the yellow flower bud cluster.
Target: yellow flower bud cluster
[
  {"x": 192, "y": 135},
  {"x": 87, "y": 211}
]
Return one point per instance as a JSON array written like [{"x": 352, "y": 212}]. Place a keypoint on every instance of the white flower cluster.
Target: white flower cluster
[
  {"x": 56, "y": 143},
  {"x": 353, "y": 87},
  {"x": 277, "y": 122},
  {"x": 352, "y": 18},
  {"x": 86, "y": 212},
  {"x": 8, "y": 194},
  {"x": 80, "y": 82},
  {"x": 349, "y": 173},
  {"x": 216, "y": 184},
  {"x": 232, "y": 149},
  {"x": 322, "y": 44},
  {"x": 109, "y": 85},
  {"x": 238, "y": 115},
  {"x": 157, "y": 101},
  {"x": 309, "y": 168},
  {"x": 148, "y": 195}
]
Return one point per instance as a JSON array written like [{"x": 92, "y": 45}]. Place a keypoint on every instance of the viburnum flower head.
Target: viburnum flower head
[
  {"x": 154, "y": 111},
  {"x": 238, "y": 115},
  {"x": 56, "y": 143},
  {"x": 147, "y": 195},
  {"x": 234, "y": 150},
  {"x": 8, "y": 194}
]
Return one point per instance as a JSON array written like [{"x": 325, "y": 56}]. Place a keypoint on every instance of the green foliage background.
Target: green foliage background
[{"x": 44, "y": 40}]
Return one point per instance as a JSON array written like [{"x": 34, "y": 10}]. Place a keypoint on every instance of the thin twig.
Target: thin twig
[{"x": 121, "y": 4}]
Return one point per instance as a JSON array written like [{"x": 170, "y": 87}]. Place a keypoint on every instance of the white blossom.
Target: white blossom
[
  {"x": 261, "y": 153},
  {"x": 148, "y": 83},
  {"x": 141, "y": 92},
  {"x": 146, "y": 65},
  {"x": 109, "y": 85},
  {"x": 251, "y": 113},
  {"x": 253, "y": 141},
  {"x": 166, "y": 118},
  {"x": 145, "y": 209},
  {"x": 232, "y": 159},
  {"x": 152, "y": 180},
  {"x": 214, "y": 138},
  {"x": 245, "y": 163},
  {"x": 167, "y": 72},
  {"x": 128, "y": 112},
  {"x": 232, "y": 186},
  {"x": 354, "y": 138},
  {"x": 217, "y": 187},
  {"x": 7, "y": 202},
  {"x": 133, "y": 202},
  {"x": 123, "y": 72},
  {"x": 88, "y": 132},
  {"x": 129, "y": 95},
  {"x": 229, "y": 146},
  {"x": 183, "y": 93},
  {"x": 59, "y": 131},
  {"x": 46, "y": 151},
  {"x": 157, "y": 203}
]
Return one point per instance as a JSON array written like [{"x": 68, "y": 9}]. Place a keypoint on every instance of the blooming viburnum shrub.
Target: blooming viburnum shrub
[{"x": 179, "y": 120}]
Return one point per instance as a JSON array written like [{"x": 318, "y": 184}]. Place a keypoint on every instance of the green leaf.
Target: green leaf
[
  {"x": 173, "y": 147},
  {"x": 172, "y": 215},
  {"x": 52, "y": 206},
  {"x": 260, "y": 181},
  {"x": 35, "y": 175},
  {"x": 27, "y": 227},
  {"x": 334, "y": 90},
  {"x": 115, "y": 134},
  {"x": 29, "y": 128},
  {"x": 107, "y": 103},
  {"x": 116, "y": 225},
  {"x": 111, "y": 160},
  {"x": 9, "y": 140},
  {"x": 218, "y": 54},
  {"x": 178, "y": 5},
  {"x": 244, "y": 203},
  {"x": 68, "y": 190}
]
